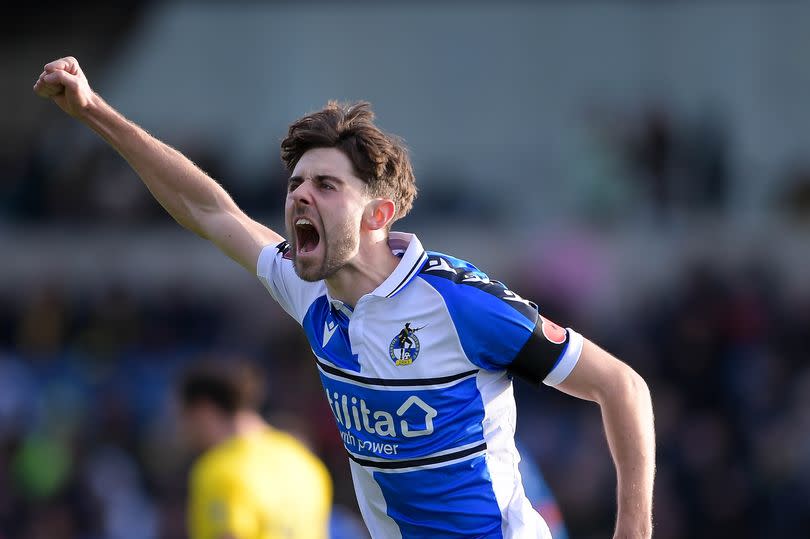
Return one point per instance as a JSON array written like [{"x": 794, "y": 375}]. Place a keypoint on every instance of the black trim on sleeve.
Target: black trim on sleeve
[
  {"x": 538, "y": 356},
  {"x": 285, "y": 249},
  {"x": 441, "y": 266}
]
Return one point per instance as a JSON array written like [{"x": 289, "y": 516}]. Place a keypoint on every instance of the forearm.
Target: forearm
[
  {"x": 185, "y": 191},
  {"x": 628, "y": 418}
]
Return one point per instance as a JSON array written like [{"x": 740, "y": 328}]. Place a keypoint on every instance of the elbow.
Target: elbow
[
  {"x": 627, "y": 386},
  {"x": 636, "y": 384}
]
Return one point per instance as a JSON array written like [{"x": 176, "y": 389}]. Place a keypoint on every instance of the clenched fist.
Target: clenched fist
[{"x": 63, "y": 81}]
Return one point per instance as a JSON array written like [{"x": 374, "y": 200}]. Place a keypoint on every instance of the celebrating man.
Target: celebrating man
[{"x": 430, "y": 440}]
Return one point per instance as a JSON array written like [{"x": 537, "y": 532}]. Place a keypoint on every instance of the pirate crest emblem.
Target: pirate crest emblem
[{"x": 405, "y": 346}]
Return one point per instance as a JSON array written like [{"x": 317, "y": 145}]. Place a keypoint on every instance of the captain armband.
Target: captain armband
[{"x": 548, "y": 356}]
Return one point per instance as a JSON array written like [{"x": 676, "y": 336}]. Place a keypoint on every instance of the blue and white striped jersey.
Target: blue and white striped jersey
[{"x": 417, "y": 377}]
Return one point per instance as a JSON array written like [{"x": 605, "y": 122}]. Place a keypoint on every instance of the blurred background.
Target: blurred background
[{"x": 639, "y": 169}]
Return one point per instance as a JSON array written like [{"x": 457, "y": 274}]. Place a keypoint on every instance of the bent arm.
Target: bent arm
[{"x": 627, "y": 414}]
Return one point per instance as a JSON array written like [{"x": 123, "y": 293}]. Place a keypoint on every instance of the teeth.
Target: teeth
[{"x": 303, "y": 221}]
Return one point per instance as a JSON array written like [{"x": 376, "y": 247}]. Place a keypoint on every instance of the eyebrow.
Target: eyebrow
[{"x": 317, "y": 177}]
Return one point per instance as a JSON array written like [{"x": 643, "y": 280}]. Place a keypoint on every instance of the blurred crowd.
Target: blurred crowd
[
  {"x": 631, "y": 161},
  {"x": 90, "y": 447},
  {"x": 644, "y": 162},
  {"x": 90, "y": 437}
]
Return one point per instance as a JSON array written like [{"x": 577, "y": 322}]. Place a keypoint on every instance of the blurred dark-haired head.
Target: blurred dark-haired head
[{"x": 213, "y": 392}]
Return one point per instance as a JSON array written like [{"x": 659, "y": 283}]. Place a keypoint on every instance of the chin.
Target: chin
[
  {"x": 316, "y": 271},
  {"x": 309, "y": 277},
  {"x": 308, "y": 273}
]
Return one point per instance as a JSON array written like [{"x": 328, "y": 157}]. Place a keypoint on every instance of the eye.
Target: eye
[
  {"x": 291, "y": 186},
  {"x": 328, "y": 186}
]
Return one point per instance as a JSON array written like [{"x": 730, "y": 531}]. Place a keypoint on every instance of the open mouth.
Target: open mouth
[{"x": 306, "y": 236}]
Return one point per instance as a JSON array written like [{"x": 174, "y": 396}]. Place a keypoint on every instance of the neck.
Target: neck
[
  {"x": 243, "y": 423},
  {"x": 371, "y": 266},
  {"x": 248, "y": 422}
]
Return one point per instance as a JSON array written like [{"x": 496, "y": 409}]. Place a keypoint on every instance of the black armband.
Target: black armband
[{"x": 543, "y": 350}]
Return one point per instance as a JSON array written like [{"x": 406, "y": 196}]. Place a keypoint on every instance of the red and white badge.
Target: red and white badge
[{"x": 552, "y": 331}]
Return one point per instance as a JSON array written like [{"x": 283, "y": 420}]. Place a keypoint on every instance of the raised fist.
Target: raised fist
[{"x": 63, "y": 81}]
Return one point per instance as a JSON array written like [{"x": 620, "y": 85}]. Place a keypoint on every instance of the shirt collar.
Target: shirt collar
[{"x": 412, "y": 260}]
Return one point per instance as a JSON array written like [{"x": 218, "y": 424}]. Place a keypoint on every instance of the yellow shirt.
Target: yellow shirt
[{"x": 265, "y": 485}]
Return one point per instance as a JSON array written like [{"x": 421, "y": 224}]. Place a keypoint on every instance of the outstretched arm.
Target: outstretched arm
[
  {"x": 628, "y": 418},
  {"x": 190, "y": 196}
]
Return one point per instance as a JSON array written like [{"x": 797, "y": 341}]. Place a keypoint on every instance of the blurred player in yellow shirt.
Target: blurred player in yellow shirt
[{"x": 251, "y": 481}]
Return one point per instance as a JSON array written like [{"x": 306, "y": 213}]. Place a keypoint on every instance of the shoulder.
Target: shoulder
[
  {"x": 456, "y": 279},
  {"x": 290, "y": 447},
  {"x": 210, "y": 474},
  {"x": 275, "y": 270},
  {"x": 213, "y": 463},
  {"x": 272, "y": 251},
  {"x": 447, "y": 266},
  {"x": 295, "y": 466}
]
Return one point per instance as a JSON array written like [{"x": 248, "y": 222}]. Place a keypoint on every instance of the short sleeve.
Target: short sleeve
[
  {"x": 497, "y": 328},
  {"x": 276, "y": 272},
  {"x": 492, "y": 322}
]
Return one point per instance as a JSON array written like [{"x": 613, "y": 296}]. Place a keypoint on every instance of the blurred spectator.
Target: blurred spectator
[
  {"x": 652, "y": 152},
  {"x": 724, "y": 355},
  {"x": 704, "y": 163},
  {"x": 43, "y": 324},
  {"x": 794, "y": 198}
]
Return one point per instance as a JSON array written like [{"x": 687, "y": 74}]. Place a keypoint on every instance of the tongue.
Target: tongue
[
  {"x": 308, "y": 240},
  {"x": 308, "y": 245}
]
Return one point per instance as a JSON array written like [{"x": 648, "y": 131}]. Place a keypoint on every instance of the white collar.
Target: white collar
[{"x": 413, "y": 258}]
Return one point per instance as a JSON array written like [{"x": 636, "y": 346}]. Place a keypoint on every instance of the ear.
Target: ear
[{"x": 379, "y": 213}]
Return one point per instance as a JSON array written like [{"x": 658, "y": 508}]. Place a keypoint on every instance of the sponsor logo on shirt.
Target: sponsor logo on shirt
[{"x": 353, "y": 414}]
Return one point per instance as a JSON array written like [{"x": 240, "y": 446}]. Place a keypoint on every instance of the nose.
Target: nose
[{"x": 302, "y": 194}]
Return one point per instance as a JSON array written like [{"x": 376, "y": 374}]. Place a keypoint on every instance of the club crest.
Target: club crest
[{"x": 405, "y": 346}]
